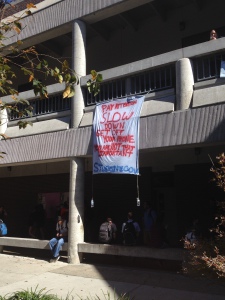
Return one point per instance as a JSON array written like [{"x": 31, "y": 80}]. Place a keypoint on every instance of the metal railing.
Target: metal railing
[
  {"x": 141, "y": 83},
  {"x": 207, "y": 67},
  {"x": 54, "y": 103}
]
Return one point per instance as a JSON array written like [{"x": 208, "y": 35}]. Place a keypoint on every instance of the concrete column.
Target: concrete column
[
  {"x": 184, "y": 83},
  {"x": 79, "y": 65},
  {"x": 76, "y": 209}
]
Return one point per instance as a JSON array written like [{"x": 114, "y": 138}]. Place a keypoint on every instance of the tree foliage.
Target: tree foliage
[
  {"x": 14, "y": 60},
  {"x": 208, "y": 257}
]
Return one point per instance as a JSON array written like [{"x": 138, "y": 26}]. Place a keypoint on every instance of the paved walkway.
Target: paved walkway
[{"x": 86, "y": 281}]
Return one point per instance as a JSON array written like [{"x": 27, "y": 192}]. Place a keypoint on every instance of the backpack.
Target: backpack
[
  {"x": 190, "y": 240},
  {"x": 129, "y": 234},
  {"x": 105, "y": 233},
  {"x": 3, "y": 228}
]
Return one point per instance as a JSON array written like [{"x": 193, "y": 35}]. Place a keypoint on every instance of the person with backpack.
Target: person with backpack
[
  {"x": 57, "y": 242},
  {"x": 107, "y": 232},
  {"x": 130, "y": 231}
]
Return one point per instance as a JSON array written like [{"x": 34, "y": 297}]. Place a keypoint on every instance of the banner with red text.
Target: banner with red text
[{"x": 116, "y": 136}]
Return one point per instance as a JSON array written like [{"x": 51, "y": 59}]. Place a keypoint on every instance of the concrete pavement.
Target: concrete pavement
[{"x": 86, "y": 281}]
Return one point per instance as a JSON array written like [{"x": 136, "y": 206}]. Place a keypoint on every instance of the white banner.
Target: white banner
[
  {"x": 222, "y": 69},
  {"x": 116, "y": 136}
]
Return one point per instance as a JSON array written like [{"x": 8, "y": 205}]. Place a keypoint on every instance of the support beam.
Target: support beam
[
  {"x": 159, "y": 10},
  {"x": 99, "y": 30},
  {"x": 79, "y": 65},
  {"x": 184, "y": 83},
  {"x": 129, "y": 21},
  {"x": 76, "y": 210}
]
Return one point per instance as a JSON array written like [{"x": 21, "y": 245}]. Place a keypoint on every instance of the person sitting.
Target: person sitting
[
  {"x": 213, "y": 35},
  {"x": 57, "y": 242}
]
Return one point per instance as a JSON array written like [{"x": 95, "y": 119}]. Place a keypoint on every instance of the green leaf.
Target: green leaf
[
  {"x": 99, "y": 78},
  {"x": 36, "y": 82},
  {"x": 72, "y": 92},
  {"x": 88, "y": 83},
  {"x": 26, "y": 71},
  {"x": 28, "y": 12},
  {"x": 24, "y": 101},
  {"x": 38, "y": 66},
  {"x": 60, "y": 78},
  {"x": 93, "y": 74},
  {"x": 18, "y": 25},
  {"x": 44, "y": 63},
  {"x": 73, "y": 79},
  {"x": 52, "y": 73},
  {"x": 56, "y": 70},
  {"x": 67, "y": 78},
  {"x": 65, "y": 66}
]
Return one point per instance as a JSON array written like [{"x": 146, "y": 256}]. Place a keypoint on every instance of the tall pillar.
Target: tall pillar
[
  {"x": 76, "y": 192},
  {"x": 79, "y": 65},
  {"x": 76, "y": 209},
  {"x": 184, "y": 83}
]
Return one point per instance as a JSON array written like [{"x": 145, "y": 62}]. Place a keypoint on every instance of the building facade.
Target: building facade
[{"x": 160, "y": 49}]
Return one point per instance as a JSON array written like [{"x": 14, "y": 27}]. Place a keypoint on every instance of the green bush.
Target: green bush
[{"x": 208, "y": 257}]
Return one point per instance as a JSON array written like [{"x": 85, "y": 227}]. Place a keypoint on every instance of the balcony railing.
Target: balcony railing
[
  {"x": 52, "y": 104},
  {"x": 207, "y": 67},
  {"x": 144, "y": 82},
  {"x": 140, "y": 77}
]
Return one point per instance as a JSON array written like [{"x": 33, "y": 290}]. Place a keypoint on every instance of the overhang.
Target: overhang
[{"x": 204, "y": 125}]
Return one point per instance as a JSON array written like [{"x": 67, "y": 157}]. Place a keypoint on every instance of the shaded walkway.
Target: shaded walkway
[{"x": 85, "y": 280}]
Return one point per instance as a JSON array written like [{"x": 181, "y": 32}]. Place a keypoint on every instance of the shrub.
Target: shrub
[{"x": 208, "y": 257}]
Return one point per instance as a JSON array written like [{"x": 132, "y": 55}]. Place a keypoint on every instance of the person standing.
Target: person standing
[
  {"x": 149, "y": 221},
  {"x": 107, "y": 232},
  {"x": 130, "y": 231},
  {"x": 3, "y": 213},
  {"x": 58, "y": 241}
]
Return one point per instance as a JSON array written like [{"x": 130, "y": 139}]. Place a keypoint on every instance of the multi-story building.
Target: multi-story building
[{"x": 160, "y": 49}]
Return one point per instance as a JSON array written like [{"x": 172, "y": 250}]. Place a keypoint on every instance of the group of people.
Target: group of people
[
  {"x": 108, "y": 232},
  {"x": 152, "y": 233},
  {"x": 37, "y": 219}
]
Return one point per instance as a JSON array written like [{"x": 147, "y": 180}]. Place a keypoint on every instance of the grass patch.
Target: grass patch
[{"x": 43, "y": 294}]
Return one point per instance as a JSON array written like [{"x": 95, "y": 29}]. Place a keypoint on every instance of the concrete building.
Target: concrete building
[{"x": 156, "y": 48}]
